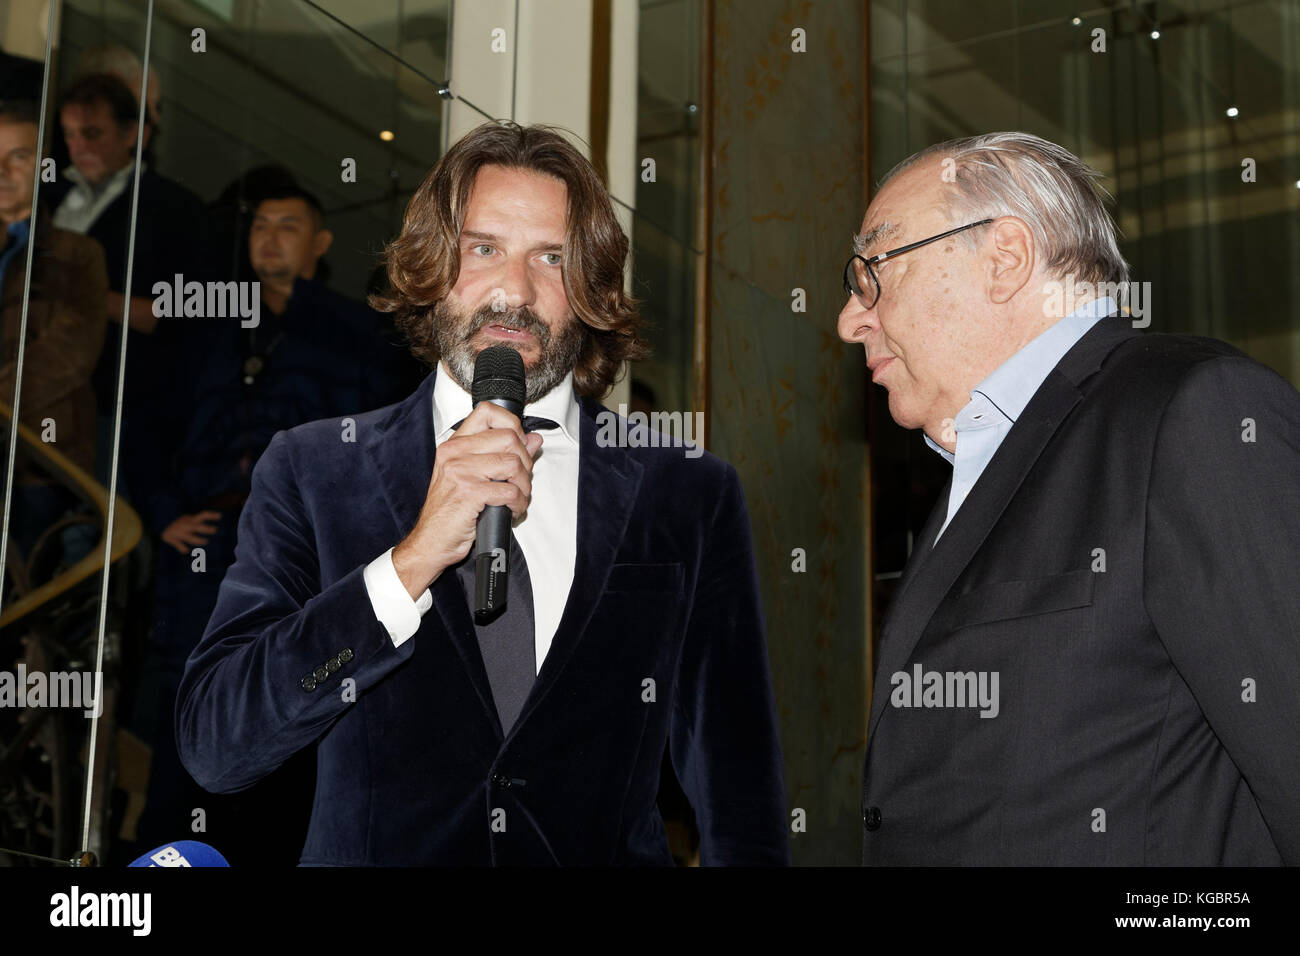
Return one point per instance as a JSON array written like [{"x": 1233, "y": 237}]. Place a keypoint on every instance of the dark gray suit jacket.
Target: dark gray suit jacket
[{"x": 1147, "y": 713}]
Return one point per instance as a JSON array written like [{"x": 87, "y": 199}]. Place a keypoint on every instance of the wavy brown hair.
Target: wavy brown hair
[{"x": 424, "y": 261}]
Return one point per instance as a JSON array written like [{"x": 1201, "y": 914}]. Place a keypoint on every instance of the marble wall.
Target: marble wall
[{"x": 787, "y": 398}]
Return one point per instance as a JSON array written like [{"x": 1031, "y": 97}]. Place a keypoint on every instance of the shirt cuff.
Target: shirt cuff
[{"x": 393, "y": 606}]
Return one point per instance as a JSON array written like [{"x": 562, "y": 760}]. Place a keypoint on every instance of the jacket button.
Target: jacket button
[
  {"x": 502, "y": 781},
  {"x": 320, "y": 673},
  {"x": 345, "y": 655},
  {"x": 871, "y": 818},
  {"x": 332, "y": 664},
  {"x": 309, "y": 683}
]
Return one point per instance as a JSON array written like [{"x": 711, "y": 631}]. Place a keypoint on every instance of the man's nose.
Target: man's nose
[
  {"x": 855, "y": 321},
  {"x": 516, "y": 282}
]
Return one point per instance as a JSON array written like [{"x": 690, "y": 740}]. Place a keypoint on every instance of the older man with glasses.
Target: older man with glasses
[{"x": 1093, "y": 656}]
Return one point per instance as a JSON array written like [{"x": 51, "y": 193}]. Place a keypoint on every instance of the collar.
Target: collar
[
  {"x": 1013, "y": 383},
  {"x": 19, "y": 231},
  {"x": 1004, "y": 394},
  {"x": 75, "y": 176},
  {"x": 451, "y": 403}
]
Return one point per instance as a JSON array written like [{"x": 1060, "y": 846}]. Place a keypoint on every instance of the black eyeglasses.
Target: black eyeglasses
[{"x": 860, "y": 277}]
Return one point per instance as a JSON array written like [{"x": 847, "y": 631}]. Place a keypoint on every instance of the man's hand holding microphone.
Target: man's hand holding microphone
[{"x": 487, "y": 462}]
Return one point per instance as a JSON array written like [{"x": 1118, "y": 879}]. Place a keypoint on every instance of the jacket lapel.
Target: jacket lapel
[
  {"x": 608, "y": 482},
  {"x": 921, "y": 548},
  {"x": 929, "y": 576},
  {"x": 402, "y": 450}
]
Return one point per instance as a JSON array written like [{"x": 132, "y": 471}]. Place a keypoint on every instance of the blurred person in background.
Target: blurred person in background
[{"x": 65, "y": 331}]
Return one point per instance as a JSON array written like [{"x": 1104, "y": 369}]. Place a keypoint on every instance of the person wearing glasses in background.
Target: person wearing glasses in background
[{"x": 1093, "y": 655}]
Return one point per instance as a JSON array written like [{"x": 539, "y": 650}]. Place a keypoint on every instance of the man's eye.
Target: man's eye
[
  {"x": 481, "y": 246},
  {"x": 553, "y": 258}
]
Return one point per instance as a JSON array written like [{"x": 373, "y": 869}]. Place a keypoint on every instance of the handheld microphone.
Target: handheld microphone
[
  {"x": 181, "y": 853},
  {"x": 499, "y": 379}
]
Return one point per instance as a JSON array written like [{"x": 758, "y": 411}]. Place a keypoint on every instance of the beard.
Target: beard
[{"x": 558, "y": 349}]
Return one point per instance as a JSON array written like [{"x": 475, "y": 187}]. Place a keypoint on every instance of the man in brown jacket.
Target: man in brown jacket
[{"x": 66, "y": 321}]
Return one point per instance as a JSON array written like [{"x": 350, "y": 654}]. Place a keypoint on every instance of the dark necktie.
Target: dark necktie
[
  {"x": 507, "y": 643},
  {"x": 532, "y": 423}
]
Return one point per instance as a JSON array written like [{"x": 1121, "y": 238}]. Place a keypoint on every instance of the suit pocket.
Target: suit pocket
[
  {"x": 645, "y": 577},
  {"x": 1015, "y": 599}
]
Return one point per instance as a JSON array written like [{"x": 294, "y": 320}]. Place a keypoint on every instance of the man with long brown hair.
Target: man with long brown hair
[{"x": 633, "y": 622}]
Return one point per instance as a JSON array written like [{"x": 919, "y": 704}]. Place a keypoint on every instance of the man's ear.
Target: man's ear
[
  {"x": 1011, "y": 258},
  {"x": 321, "y": 242},
  {"x": 128, "y": 132}
]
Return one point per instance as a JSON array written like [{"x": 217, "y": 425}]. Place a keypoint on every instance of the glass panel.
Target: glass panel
[
  {"x": 70, "y": 703},
  {"x": 1169, "y": 112},
  {"x": 277, "y": 121},
  {"x": 665, "y": 257}
]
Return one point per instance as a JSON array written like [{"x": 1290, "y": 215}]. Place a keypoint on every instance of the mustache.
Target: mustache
[{"x": 523, "y": 319}]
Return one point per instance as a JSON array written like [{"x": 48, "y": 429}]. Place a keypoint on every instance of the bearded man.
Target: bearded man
[{"x": 632, "y": 622}]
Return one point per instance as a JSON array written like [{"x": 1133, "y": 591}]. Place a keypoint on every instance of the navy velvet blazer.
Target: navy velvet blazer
[
  {"x": 1127, "y": 566},
  {"x": 413, "y": 767}
]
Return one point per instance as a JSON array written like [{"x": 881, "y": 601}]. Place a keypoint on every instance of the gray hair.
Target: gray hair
[{"x": 1051, "y": 189}]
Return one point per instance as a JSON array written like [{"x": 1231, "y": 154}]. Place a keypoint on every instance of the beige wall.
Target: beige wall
[{"x": 23, "y": 27}]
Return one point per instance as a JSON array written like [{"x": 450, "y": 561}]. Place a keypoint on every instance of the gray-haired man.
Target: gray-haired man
[{"x": 1093, "y": 654}]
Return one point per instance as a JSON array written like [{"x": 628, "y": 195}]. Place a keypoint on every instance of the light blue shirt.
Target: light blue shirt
[
  {"x": 17, "y": 234},
  {"x": 998, "y": 401}
]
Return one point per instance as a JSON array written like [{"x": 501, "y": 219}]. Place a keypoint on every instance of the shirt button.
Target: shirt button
[
  {"x": 332, "y": 664},
  {"x": 345, "y": 655},
  {"x": 320, "y": 673},
  {"x": 309, "y": 683},
  {"x": 871, "y": 818}
]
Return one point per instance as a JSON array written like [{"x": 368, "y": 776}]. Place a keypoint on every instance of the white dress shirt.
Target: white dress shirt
[
  {"x": 547, "y": 535},
  {"x": 84, "y": 202}
]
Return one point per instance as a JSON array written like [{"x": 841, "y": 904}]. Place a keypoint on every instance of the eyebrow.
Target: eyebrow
[
  {"x": 866, "y": 240},
  {"x": 491, "y": 237}
]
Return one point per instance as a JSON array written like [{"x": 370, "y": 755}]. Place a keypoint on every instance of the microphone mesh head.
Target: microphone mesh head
[{"x": 498, "y": 373}]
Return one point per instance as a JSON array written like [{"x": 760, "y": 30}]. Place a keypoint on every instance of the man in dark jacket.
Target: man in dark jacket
[
  {"x": 1093, "y": 656},
  {"x": 93, "y": 196},
  {"x": 632, "y": 624}
]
